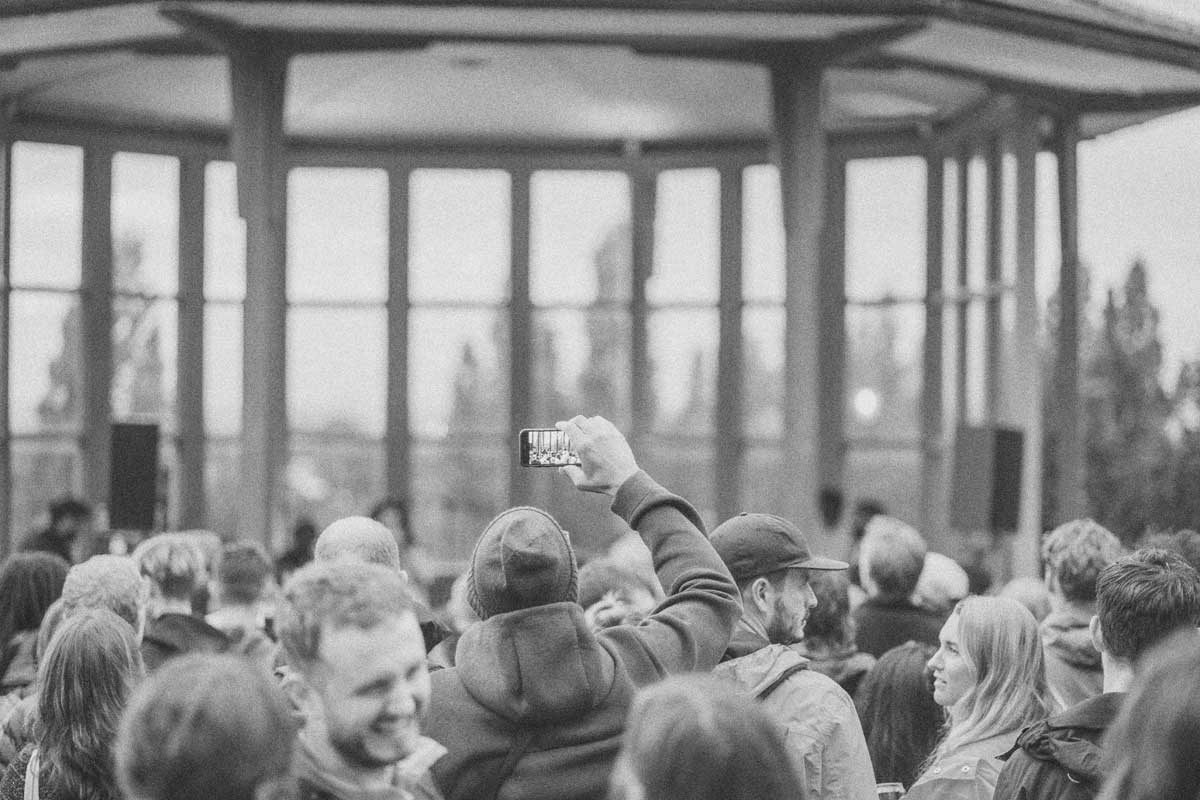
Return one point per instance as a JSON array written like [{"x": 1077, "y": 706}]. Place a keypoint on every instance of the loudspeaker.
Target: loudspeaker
[
  {"x": 986, "y": 493},
  {"x": 133, "y": 477}
]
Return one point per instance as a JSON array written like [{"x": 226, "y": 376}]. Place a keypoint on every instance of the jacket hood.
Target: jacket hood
[
  {"x": 1053, "y": 739},
  {"x": 1069, "y": 637},
  {"x": 536, "y": 665},
  {"x": 758, "y": 669}
]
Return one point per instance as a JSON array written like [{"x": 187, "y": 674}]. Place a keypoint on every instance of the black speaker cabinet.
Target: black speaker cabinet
[
  {"x": 986, "y": 493},
  {"x": 133, "y": 477}
]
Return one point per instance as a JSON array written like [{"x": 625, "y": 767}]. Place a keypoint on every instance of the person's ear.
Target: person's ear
[
  {"x": 762, "y": 594},
  {"x": 1097, "y": 632},
  {"x": 298, "y": 690}
]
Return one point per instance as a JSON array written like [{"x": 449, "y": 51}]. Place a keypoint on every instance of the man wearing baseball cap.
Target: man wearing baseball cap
[{"x": 770, "y": 561}]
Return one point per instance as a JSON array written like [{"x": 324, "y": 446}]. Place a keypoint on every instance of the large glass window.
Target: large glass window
[{"x": 45, "y": 387}]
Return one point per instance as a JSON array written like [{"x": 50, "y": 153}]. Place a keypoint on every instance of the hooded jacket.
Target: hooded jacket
[
  {"x": 1060, "y": 758},
  {"x": 536, "y": 703},
  {"x": 822, "y": 732},
  {"x": 1073, "y": 671},
  {"x": 967, "y": 773}
]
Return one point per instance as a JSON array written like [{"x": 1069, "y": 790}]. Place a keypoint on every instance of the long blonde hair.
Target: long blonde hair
[{"x": 999, "y": 640}]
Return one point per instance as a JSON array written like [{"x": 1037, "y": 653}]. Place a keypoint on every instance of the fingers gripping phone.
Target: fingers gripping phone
[{"x": 545, "y": 447}]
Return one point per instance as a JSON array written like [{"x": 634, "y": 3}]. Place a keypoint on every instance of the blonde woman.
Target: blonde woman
[{"x": 989, "y": 675}]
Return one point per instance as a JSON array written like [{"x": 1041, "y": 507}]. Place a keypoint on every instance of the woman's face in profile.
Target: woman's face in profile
[{"x": 952, "y": 675}]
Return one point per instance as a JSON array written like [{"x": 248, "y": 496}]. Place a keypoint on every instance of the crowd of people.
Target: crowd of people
[{"x": 734, "y": 665}]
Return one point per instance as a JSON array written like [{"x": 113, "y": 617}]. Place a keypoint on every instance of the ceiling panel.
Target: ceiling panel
[{"x": 85, "y": 28}]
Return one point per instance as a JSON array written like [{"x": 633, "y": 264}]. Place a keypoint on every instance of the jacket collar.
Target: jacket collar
[{"x": 406, "y": 774}]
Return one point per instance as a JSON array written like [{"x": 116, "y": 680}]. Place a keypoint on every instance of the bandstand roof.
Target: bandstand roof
[{"x": 588, "y": 71}]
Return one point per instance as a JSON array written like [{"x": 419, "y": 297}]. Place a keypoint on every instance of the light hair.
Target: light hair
[
  {"x": 106, "y": 581},
  {"x": 204, "y": 727},
  {"x": 174, "y": 563},
  {"x": 999, "y": 640},
  {"x": 894, "y": 555},
  {"x": 331, "y": 596},
  {"x": 1075, "y": 553},
  {"x": 359, "y": 538},
  {"x": 91, "y": 665}
]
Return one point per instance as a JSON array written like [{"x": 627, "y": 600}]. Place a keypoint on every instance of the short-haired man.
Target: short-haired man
[
  {"x": 536, "y": 703},
  {"x": 890, "y": 562},
  {"x": 359, "y": 680},
  {"x": 242, "y": 575},
  {"x": 1074, "y": 555},
  {"x": 175, "y": 566},
  {"x": 1140, "y": 600},
  {"x": 69, "y": 528},
  {"x": 771, "y": 562}
]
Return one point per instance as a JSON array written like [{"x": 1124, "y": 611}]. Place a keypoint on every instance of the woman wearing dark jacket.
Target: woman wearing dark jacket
[
  {"x": 91, "y": 665},
  {"x": 29, "y": 584}
]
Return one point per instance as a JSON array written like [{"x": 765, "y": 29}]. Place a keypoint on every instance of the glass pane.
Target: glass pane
[
  {"x": 581, "y": 365},
  {"x": 683, "y": 367},
  {"x": 47, "y": 215},
  {"x": 45, "y": 369},
  {"x": 43, "y": 471},
  {"x": 762, "y": 471},
  {"x": 459, "y": 235},
  {"x": 763, "y": 244},
  {"x": 687, "y": 238},
  {"x": 685, "y": 469},
  {"x": 580, "y": 243},
  {"x": 222, "y": 369},
  {"x": 337, "y": 370},
  {"x": 892, "y": 476},
  {"x": 977, "y": 226},
  {"x": 337, "y": 231},
  {"x": 883, "y": 375},
  {"x": 950, "y": 225},
  {"x": 144, "y": 356},
  {"x": 145, "y": 223},
  {"x": 224, "y": 234},
  {"x": 459, "y": 485},
  {"x": 222, "y": 479},
  {"x": 1048, "y": 232},
  {"x": 327, "y": 479},
  {"x": 885, "y": 228},
  {"x": 1008, "y": 217},
  {"x": 457, "y": 371},
  {"x": 976, "y": 344},
  {"x": 762, "y": 377},
  {"x": 586, "y": 517}
]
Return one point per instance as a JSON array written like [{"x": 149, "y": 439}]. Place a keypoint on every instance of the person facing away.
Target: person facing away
[
  {"x": 690, "y": 738},
  {"x": 175, "y": 568},
  {"x": 829, "y": 640},
  {"x": 536, "y": 702},
  {"x": 205, "y": 727},
  {"x": 91, "y": 666},
  {"x": 891, "y": 558},
  {"x": 1074, "y": 554},
  {"x": 29, "y": 584},
  {"x": 770, "y": 560},
  {"x": 243, "y": 572},
  {"x": 358, "y": 678},
  {"x": 70, "y": 522},
  {"x": 1153, "y": 748},
  {"x": 989, "y": 675},
  {"x": 1141, "y": 599},
  {"x": 899, "y": 716}
]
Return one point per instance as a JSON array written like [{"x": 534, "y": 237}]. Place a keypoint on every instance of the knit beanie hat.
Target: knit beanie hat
[{"x": 522, "y": 560}]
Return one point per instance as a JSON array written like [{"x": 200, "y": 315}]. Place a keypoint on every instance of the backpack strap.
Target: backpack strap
[
  {"x": 519, "y": 749},
  {"x": 783, "y": 676}
]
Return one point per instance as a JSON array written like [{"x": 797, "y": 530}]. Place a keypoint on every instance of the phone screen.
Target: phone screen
[{"x": 545, "y": 447}]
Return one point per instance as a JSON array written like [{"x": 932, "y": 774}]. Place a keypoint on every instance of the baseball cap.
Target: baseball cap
[{"x": 759, "y": 544}]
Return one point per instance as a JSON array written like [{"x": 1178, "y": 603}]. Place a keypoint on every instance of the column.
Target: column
[
  {"x": 934, "y": 511},
  {"x": 797, "y": 96},
  {"x": 7, "y": 540},
  {"x": 730, "y": 355},
  {"x": 258, "y": 79},
  {"x": 644, "y": 194},
  {"x": 190, "y": 353},
  {"x": 520, "y": 483},
  {"x": 1067, "y": 404},
  {"x": 831, "y": 346},
  {"x": 97, "y": 323},
  {"x": 396, "y": 458}
]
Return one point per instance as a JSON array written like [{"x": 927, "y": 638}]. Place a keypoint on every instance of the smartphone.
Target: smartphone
[{"x": 545, "y": 447}]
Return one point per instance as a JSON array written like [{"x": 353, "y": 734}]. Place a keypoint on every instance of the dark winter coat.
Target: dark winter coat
[
  {"x": 171, "y": 635},
  {"x": 536, "y": 702},
  {"x": 1060, "y": 758},
  {"x": 880, "y": 626}
]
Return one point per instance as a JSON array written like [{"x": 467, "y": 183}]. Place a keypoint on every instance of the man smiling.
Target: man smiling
[
  {"x": 360, "y": 683},
  {"x": 771, "y": 562}
]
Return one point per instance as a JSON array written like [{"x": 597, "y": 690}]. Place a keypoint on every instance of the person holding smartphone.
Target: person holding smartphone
[{"x": 536, "y": 702}]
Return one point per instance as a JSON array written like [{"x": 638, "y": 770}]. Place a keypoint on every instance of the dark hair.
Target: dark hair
[
  {"x": 1144, "y": 597},
  {"x": 894, "y": 553},
  {"x": 68, "y": 507},
  {"x": 1154, "y": 746},
  {"x": 829, "y": 623},
  {"x": 600, "y": 576},
  {"x": 401, "y": 509},
  {"x": 1075, "y": 553},
  {"x": 866, "y": 509},
  {"x": 695, "y": 737},
  {"x": 90, "y": 667},
  {"x": 1185, "y": 542},
  {"x": 204, "y": 727},
  {"x": 243, "y": 572},
  {"x": 29, "y": 584},
  {"x": 899, "y": 717}
]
